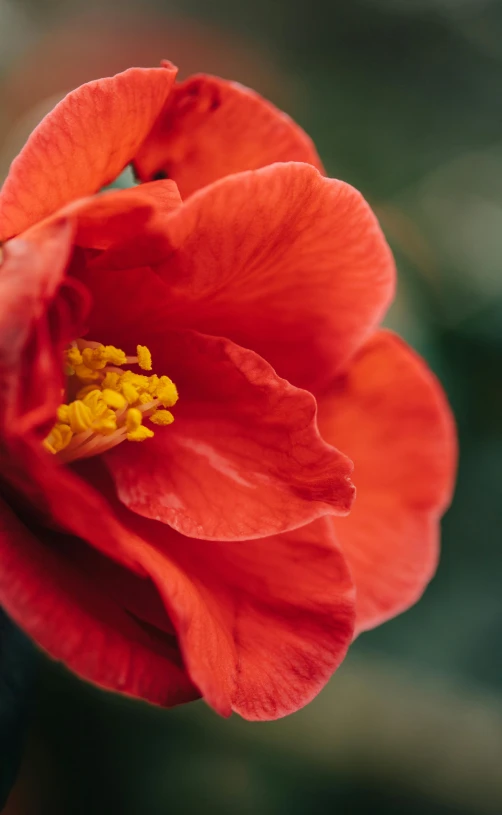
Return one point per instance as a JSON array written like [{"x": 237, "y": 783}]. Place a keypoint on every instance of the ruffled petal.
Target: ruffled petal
[
  {"x": 243, "y": 458},
  {"x": 211, "y": 128},
  {"x": 82, "y": 145},
  {"x": 128, "y": 224},
  {"x": 129, "y": 221},
  {"x": 262, "y": 624},
  {"x": 389, "y": 413},
  {"x": 39, "y": 310},
  {"x": 104, "y": 623},
  {"x": 280, "y": 260}
]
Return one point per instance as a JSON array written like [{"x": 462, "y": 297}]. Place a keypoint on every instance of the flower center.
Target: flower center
[{"x": 105, "y": 404}]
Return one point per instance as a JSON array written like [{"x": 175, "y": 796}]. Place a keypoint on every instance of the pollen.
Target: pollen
[
  {"x": 79, "y": 416},
  {"x": 105, "y": 404},
  {"x": 113, "y": 399},
  {"x": 144, "y": 358},
  {"x": 162, "y": 417}
]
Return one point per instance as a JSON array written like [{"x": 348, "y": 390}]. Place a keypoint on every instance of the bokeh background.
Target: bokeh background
[{"x": 402, "y": 98}]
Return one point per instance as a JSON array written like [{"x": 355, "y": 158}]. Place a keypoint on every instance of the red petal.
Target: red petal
[
  {"x": 262, "y": 624},
  {"x": 390, "y": 415},
  {"x": 243, "y": 459},
  {"x": 39, "y": 310},
  {"x": 211, "y": 128},
  {"x": 89, "y": 613},
  {"x": 283, "y": 261},
  {"x": 125, "y": 220},
  {"x": 127, "y": 227},
  {"x": 82, "y": 145}
]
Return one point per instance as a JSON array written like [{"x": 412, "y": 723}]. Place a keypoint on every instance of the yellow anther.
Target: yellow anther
[
  {"x": 62, "y": 413},
  {"x": 85, "y": 374},
  {"x": 94, "y": 358},
  {"x": 144, "y": 357},
  {"x": 167, "y": 392},
  {"x": 82, "y": 393},
  {"x": 105, "y": 424},
  {"x": 130, "y": 393},
  {"x": 96, "y": 404},
  {"x": 58, "y": 438},
  {"x": 51, "y": 442},
  {"x": 133, "y": 419},
  {"x": 140, "y": 434},
  {"x": 138, "y": 380},
  {"x": 111, "y": 380},
  {"x": 74, "y": 357},
  {"x": 115, "y": 356},
  {"x": 92, "y": 398},
  {"x": 113, "y": 399},
  {"x": 66, "y": 434},
  {"x": 153, "y": 384},
  {"x": 104, "y": 401},
  {"x": 162, "y": 417},
  {"x": 79, "y": 415}
]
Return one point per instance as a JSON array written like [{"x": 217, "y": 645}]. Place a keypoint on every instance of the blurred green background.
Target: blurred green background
[{"x": 402, "y": 98}]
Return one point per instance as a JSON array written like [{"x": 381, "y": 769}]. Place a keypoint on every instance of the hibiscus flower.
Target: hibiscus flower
[{"x": 188, "y": 369}]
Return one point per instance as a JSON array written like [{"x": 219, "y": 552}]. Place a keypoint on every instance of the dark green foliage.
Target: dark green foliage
[{"x": 17, "y": 668}]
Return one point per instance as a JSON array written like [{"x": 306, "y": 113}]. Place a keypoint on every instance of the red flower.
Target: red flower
[{"x": 213, "y": 558}]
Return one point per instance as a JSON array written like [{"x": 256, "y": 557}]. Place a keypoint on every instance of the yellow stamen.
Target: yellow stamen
[
  {"x": 133, "y": 419},
  {"x": 86, "y": 374},
  {"x": 59, "y": 438},
  {"x": 82, "y": 393},
  {"x": 144, "y": 357},
  {"x": 93, "y": 358},
  {"x": 167, "y": 392},
  {"x": 108, "y": 404},
  {"x": 113, "y": 399},
  {"x": 94, "y": 400},
  {"x": 140, "y": 434},
  {"x": 74, "y": 357},
  {"x": 65, "y": 433},
  {"x": 135, "y": 430},
  {"x": 63, "y": 413},
  {"x": 113, "y": 355},
  {"x": 130, "y": 393},
  {"x": 106, "y": 423},
  {"x": 79, "y": 416},
  {"x": 162, "y": 417},
  {"x": 110, "y": 381}
]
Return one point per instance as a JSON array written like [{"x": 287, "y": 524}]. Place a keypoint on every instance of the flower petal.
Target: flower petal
[
  {"x": 390, "y": 415},
  {"x": 82, "y": 145},
  {"x": 243, "y": 459},
  {"x": 127, "y": 220},
  {"x": 283, "y": 261},
  {"x": 38, "y": 310},
  {"x": 128, "y": 224},
  {"x": 94, "y": 616},
  {"x": 263, "y": 624},
  {"x": 211, "y": 128}
]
